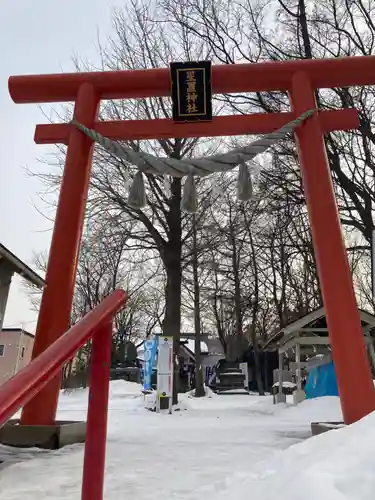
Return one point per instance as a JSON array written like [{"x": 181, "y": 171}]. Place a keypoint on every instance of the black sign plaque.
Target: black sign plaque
[{"x": 191, "y": 91}]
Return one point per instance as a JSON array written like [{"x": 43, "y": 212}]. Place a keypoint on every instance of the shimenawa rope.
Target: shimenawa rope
[{"x": 149, "y": 164}]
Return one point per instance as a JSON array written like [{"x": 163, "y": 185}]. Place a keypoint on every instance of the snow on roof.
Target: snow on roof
[{"x": 190, "y": 344}]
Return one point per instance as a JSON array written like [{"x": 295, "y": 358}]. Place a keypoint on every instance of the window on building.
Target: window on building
[
  {"x": 2, "y": 349},
  {"x": 22, "y": 352}
]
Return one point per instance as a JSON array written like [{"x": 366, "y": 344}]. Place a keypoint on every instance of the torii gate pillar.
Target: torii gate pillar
[
  {"x": 300, "y": 79},
  {"x": 346, "y": 336}
]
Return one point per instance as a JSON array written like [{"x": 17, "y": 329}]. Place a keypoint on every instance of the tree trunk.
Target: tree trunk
[
  {"x": 237, "y": 284},
  {"x": 257, "y": 367},
  {"x": 172, "y": 263},
  {"x": 255, "y": 307},
  {"x": 199, "y": 386}
]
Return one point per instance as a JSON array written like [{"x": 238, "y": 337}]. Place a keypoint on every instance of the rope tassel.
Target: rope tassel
[
  {"x": 137, "y": 192},
  {"x": 201, "y": 167},
  {"x": 189, "y": 196},
  {"x": 223, "y": 162},
  {"x": 244, "y": 184}
]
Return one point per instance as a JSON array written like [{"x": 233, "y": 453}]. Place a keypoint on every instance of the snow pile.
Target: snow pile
[
  {"x": 337, "y": 465},
  {"x": 223, "y": 447},
  {"x": 322, "y": 409},
  {"x": 209, "y": 393},
  {"x": 124, "y": 388}
]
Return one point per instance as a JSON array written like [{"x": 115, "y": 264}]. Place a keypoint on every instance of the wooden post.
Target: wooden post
[
  {"x": 280, "y": 397},
  {"x": 6, "y": 274},
  {"x": 298, "y": 365},
  {"x": 280, "y": 373}
]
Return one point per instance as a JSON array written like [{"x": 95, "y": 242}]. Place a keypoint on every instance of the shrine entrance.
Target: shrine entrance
[{"x": 299, "y": 79}]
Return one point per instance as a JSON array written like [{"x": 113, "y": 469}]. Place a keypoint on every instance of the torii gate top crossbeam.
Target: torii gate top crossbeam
[{"x": 231, "y": 78}]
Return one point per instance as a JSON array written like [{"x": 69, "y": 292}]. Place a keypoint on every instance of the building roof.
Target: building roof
[
  {"x": 21, "y": 268},
  {"x": 190, "y": 344},
  {"x": 18, "y": 330},
  {"x": 316, "y": 323}
]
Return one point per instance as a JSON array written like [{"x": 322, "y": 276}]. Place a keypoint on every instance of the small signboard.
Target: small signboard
[
  {"x": 165, "y": 374},
  {"x": 191, "y": 91}
]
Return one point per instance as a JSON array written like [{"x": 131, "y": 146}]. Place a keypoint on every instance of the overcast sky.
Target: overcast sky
[{"x": 35, "y": 37}]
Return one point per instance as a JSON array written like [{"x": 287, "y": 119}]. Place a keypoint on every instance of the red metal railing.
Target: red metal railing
[{"x": 17, "y": 391}]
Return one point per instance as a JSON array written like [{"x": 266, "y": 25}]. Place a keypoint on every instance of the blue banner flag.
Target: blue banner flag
[{"x": 150, "y": 351}]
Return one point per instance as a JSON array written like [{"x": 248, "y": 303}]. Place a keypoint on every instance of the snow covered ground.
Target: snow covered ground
[{"x": 223, "y": 447}]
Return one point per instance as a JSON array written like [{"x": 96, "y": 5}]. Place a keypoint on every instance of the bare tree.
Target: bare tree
[{"x": 294, "y": 29}]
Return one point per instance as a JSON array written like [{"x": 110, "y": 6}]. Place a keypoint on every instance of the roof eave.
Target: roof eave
[{"x": 21, "y": 268}]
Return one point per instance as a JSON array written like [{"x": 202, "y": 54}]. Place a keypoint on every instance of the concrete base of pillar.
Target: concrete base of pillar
[
  {"x": 50, "y": 437},
  {"x": 320, "y": 427}
]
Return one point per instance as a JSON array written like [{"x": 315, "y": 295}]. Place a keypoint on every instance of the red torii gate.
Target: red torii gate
[{"x": 299, "y": 79}]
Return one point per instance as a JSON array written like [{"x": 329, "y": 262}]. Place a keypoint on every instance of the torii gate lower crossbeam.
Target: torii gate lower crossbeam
[{"x": 300, "y": 79}]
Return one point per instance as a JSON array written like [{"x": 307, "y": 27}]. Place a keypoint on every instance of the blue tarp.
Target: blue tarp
[
  {"x": 150, "y": 356},
  {"x": 321, "y": 381}
]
